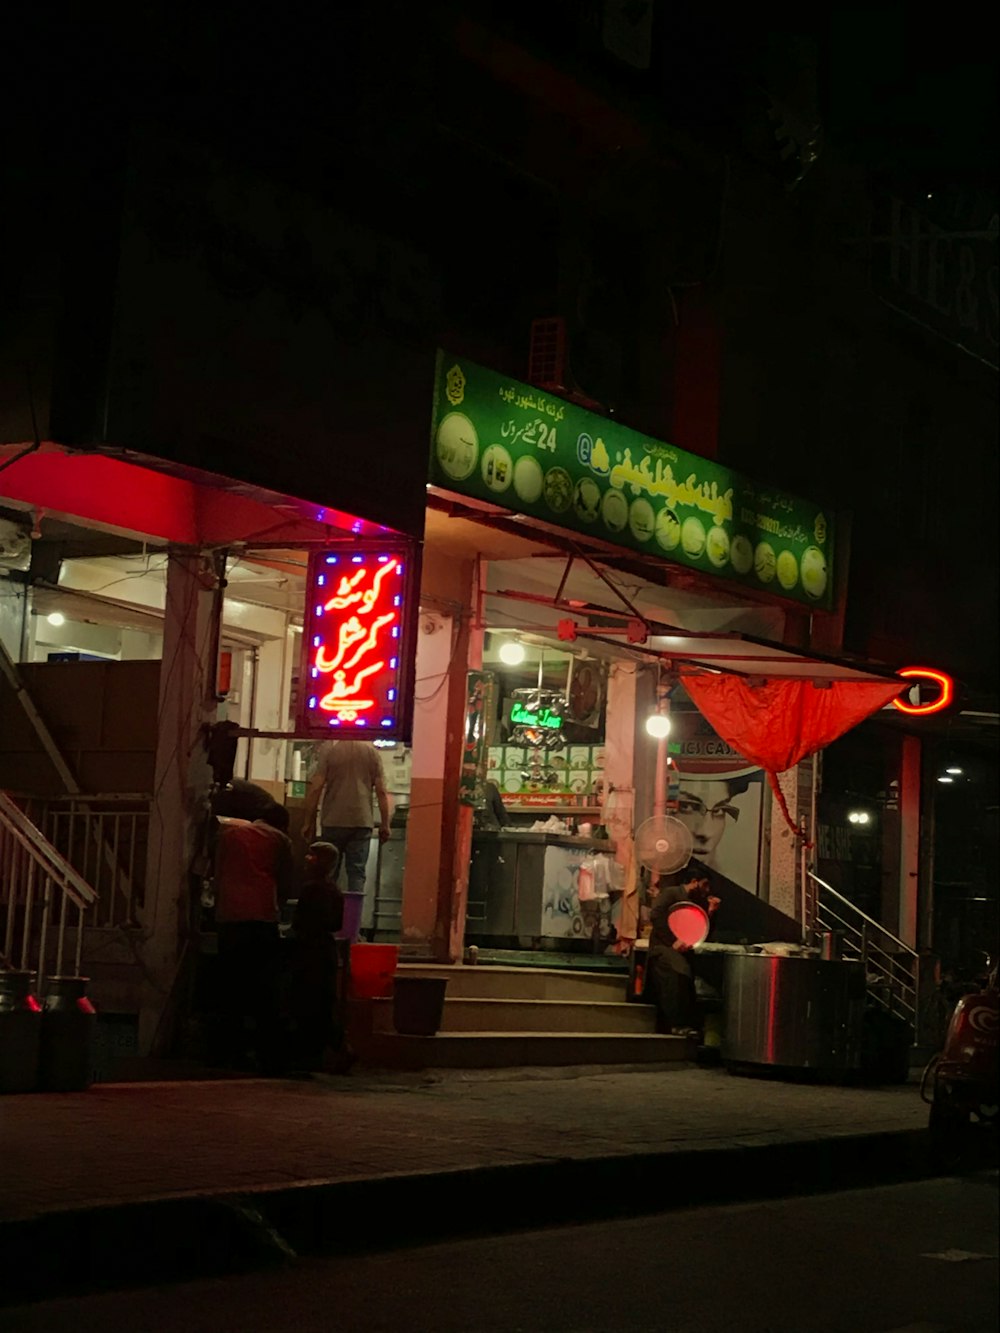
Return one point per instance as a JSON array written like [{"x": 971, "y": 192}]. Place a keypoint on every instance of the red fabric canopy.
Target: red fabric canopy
[{"x": 776, "y": 722}]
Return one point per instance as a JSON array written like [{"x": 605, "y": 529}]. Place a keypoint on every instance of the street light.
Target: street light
[
  {"x": 658, "y": 725},
  {"x": 512, "y": 652}
]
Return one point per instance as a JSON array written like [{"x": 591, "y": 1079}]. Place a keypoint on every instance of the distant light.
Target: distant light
[
  {"x": 658, "y": 725},
  {"x": 955, "y": 772},
  {"x": 946, "y": 779},
  {"x": 859, "y": 817},
  {"x": 512, "y": 652},
  {"x": 56, "y": 618}
]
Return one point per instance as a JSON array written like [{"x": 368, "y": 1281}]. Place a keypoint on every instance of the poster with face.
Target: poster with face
[
  {"x": 723, "y": 813},
  {"x": 717, "y": 795}
]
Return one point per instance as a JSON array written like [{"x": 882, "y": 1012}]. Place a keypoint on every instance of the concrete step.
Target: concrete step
[
  {"x": 504, "y": 1050},
  {"x": 467, "y": 1014},
  {"x": 520, "y": 983}
]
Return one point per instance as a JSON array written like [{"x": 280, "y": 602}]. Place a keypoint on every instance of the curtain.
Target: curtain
[{"x": 775, "y": 723}]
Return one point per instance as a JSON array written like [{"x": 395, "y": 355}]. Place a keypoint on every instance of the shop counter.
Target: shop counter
[{"x": 523, "y": 885}]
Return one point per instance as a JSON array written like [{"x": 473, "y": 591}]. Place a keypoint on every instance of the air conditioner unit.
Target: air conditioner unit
[
  {"x": 15, "y": 545},
  {"x": 548, "y": 362},
  {"x": 547, "y": 366}
]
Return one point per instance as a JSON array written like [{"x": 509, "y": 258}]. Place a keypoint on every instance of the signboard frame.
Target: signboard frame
[{"x": 321, "y": 622}]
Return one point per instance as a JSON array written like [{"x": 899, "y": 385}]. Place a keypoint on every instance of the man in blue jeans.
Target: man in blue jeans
[{"x": 348, "y": 776}]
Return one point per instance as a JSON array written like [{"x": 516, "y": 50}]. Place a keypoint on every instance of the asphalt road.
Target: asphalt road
[{"x": 913, "y": 1258}]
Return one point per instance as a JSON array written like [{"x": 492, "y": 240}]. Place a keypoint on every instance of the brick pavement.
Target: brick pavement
[{"x": 131, "y": 1142}]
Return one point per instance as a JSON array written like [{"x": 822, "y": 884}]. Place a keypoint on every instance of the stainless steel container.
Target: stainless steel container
[{"x": 793, "y": 1012}]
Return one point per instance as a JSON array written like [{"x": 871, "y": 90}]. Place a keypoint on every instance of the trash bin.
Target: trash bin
[
  {"x": 371, "y": 970},
  {"x": 418, "y": 1005},
  {"x": 353, "y": 905},
  {"x": 66, "y": 1060},
  {"x": 20, "y": 1032}
]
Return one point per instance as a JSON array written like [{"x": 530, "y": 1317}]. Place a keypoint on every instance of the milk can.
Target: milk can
[
  {"x": 66, "y": 1063},
  {"x": 20, "y": 1032}
]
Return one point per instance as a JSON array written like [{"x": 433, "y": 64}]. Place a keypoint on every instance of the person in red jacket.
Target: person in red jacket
[{"x": 253, "y": 877}]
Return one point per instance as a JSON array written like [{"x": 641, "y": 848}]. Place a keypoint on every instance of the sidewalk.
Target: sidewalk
[{"x": 148, "y": 1181}]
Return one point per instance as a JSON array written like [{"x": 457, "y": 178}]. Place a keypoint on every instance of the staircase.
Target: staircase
[
  {"x": 43, "y": 901},
  {"x": 499, "y": 1017},
  {"x": 892, "y": 968}
]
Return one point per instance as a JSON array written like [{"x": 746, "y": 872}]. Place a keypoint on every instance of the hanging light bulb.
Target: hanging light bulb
[
  {"x": 658, "y": 725},
  {"x": 512, "y": 652}
]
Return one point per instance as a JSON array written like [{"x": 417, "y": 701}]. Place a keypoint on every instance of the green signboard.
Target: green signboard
[
  {"x": 535, "y": 717},
  {"x": 498, "y": 440}
]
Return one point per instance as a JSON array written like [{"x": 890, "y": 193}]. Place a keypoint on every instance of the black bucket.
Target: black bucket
[
  {"x": 418, "y": 1005},
  {"x": 66, "y": 1063},
  {"x": 20, "y": 1032}
]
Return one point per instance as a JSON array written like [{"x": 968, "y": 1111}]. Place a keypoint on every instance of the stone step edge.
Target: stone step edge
[
  {"x": 72, "y": 1252},
  {"x": 504, "y": 999}
]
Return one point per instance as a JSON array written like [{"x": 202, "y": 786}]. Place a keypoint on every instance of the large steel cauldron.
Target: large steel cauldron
[{"x": 793, "y": 1012}]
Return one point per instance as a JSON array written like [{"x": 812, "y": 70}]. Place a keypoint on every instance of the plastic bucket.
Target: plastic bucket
[
  {"x": 372, "y": 968},
  {"x": 353, "y": 905},
  {"x": 418, "y": 1005}
]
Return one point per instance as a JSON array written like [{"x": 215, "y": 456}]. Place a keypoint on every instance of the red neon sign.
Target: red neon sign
[
  {"x": 946, "y": 688},
  {"x": 356, "y": 643}
]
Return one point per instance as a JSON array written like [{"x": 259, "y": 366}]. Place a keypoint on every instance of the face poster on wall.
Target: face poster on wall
[
  {"x": 723, "y": 812},
  {"x": 717, "y": 795}
]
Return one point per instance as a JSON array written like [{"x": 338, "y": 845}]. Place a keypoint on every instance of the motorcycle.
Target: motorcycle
[{"x": 961, "y": 1084}]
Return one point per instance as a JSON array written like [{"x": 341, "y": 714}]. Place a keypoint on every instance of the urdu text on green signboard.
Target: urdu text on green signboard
[{"x": 498, "y": 440}]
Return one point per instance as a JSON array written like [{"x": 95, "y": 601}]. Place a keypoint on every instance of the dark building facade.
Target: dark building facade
[{"x": 238, "y": 251}]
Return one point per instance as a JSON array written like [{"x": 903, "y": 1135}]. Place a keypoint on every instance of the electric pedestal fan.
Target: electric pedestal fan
[{"x": 663, "y": 844}]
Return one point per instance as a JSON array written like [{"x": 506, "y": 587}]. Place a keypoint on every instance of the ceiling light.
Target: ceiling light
[
  {"x": 658, "y": 725},
  {"x": 955, "y": 772},
  {"x": 946, "y": 779},
  {"x": 512, "y": 652},
  {"x": 56, "y": 618}
]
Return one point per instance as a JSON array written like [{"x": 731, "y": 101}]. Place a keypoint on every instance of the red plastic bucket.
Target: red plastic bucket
[{"x": 372, "y": 970}]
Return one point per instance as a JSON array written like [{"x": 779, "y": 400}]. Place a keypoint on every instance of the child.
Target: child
[{"x": 319, "y": 914}]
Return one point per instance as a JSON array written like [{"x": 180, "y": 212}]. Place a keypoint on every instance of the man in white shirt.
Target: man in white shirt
[{"x": 347, "y": 775}]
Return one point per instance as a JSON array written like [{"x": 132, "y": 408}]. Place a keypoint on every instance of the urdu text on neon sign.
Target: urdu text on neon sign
[{"x": 354, "y": 648}]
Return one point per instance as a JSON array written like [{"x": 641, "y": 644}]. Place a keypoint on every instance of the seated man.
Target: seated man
[{"x": 669, "y": 965}]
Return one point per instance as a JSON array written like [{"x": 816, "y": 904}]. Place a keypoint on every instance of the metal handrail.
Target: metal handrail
[
  {"x": 871, "y": 941},
  {"x": 32, "y": 868},
  {"x": 43, "y": 853},
  {"x": 906, "y": 948}
]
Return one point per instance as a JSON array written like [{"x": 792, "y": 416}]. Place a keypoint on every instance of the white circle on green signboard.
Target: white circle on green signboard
[
  {"x": 741, "y": 554},
  {"x": 693, "y": 537},
  {"x": 640, "y": 520},
  {"x": 498, "y": 470},
  {"x": 457, "y": 446},
  {"x": 668, "y": 529},
  {"x": 557, "y": 489},
  {"x": 813, "y": 572},
  {"x": 788, "y": 570},
  {"x": 614, "y": 510},
  {"x": 763, "y": 562},
  {"x": 717, "y": 546},
  {"x": 587, "y": 500},
  {"x": 528, "y": 479}
]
